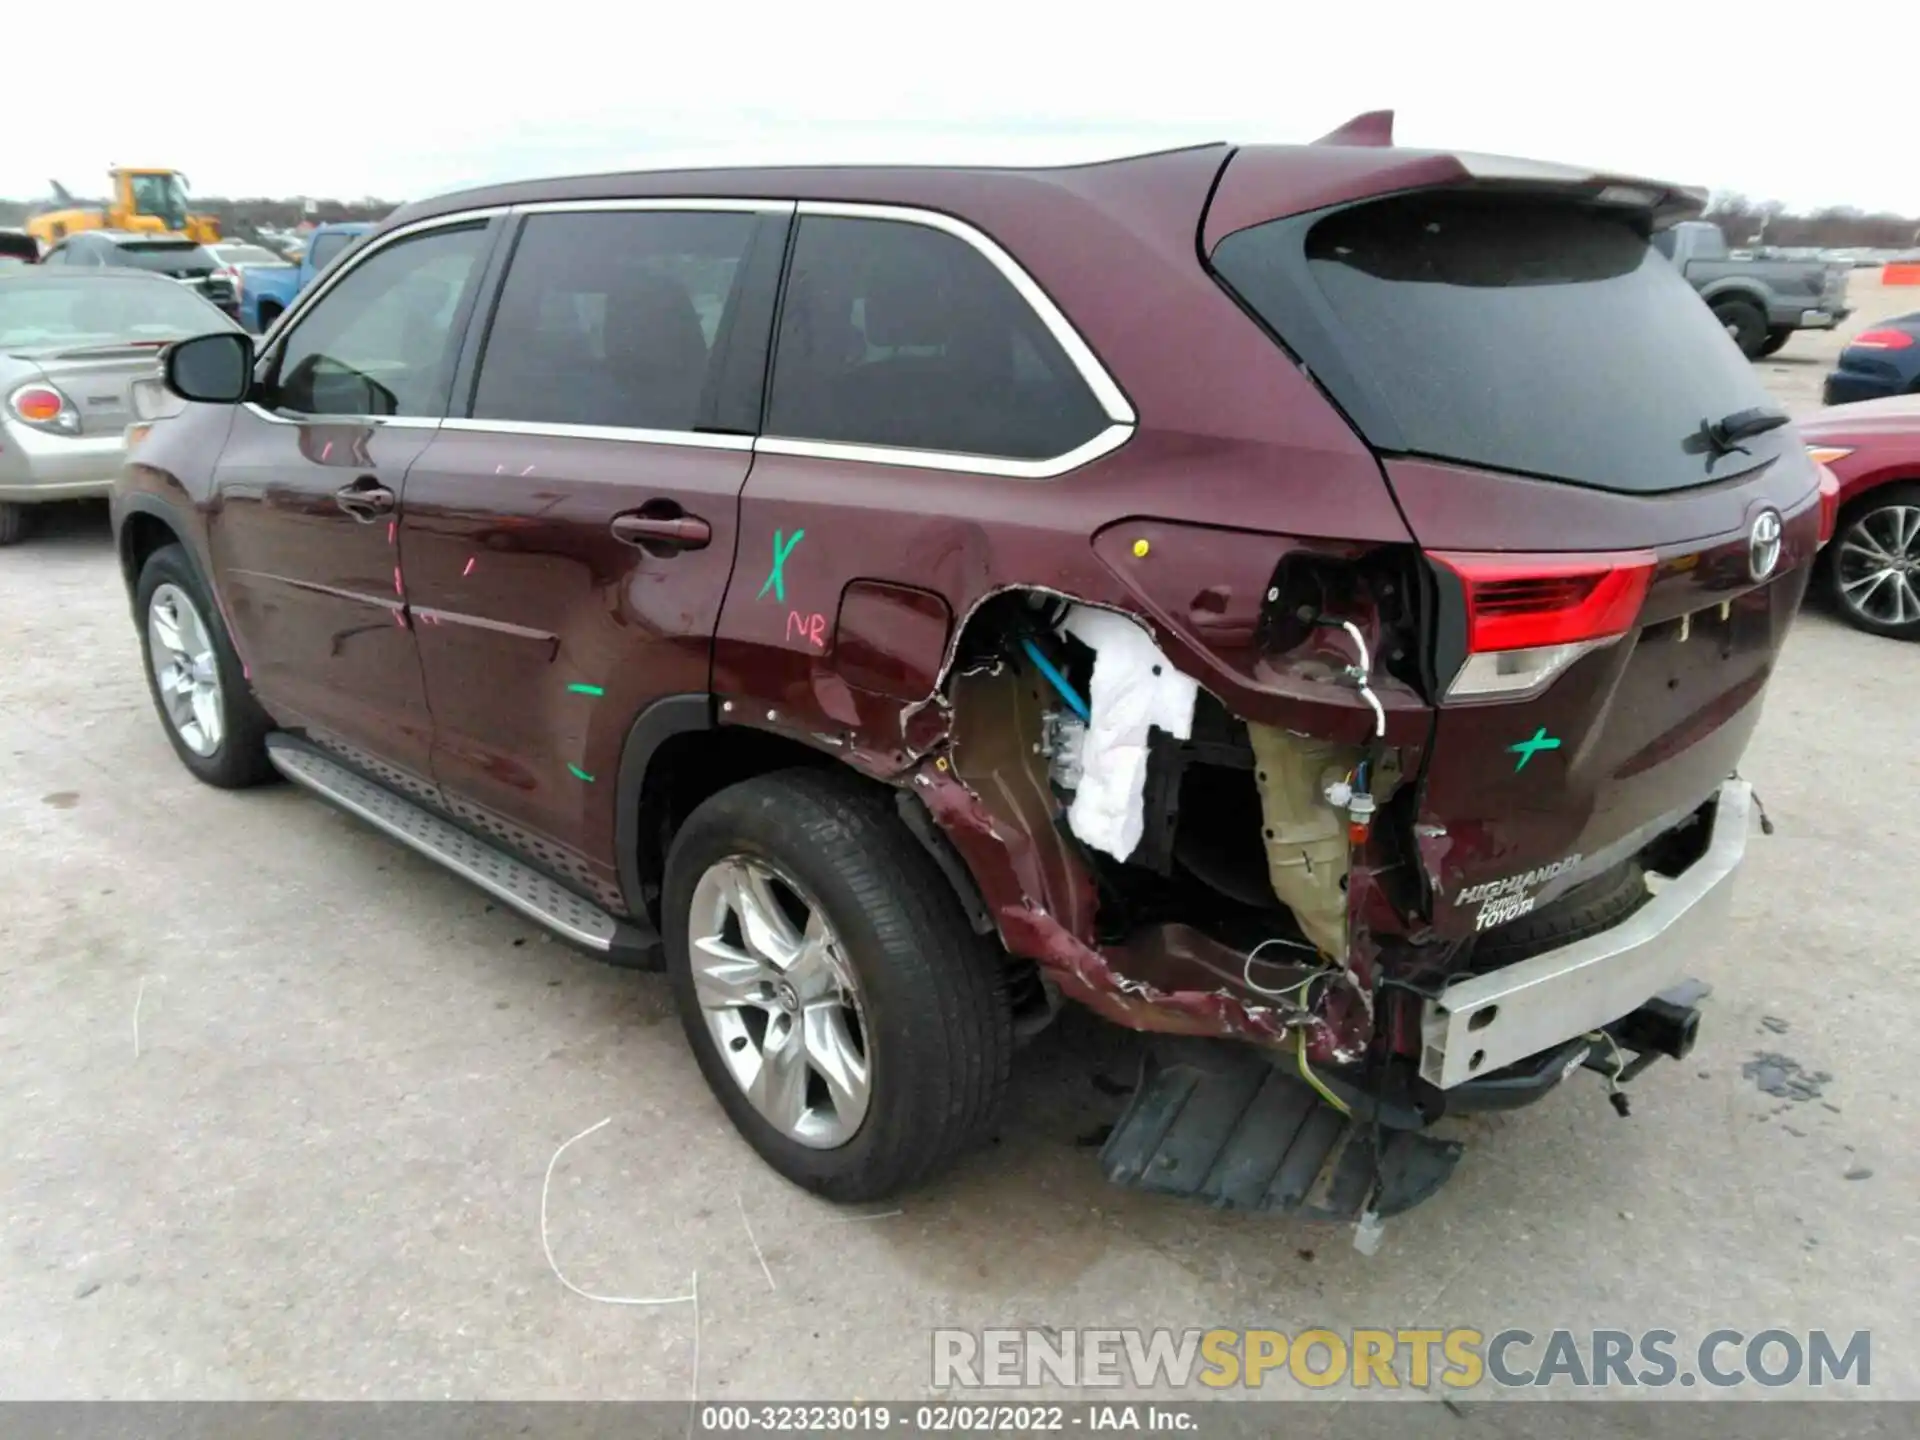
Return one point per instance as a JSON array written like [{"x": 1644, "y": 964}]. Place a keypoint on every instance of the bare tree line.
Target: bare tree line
[{"x": 1768, "y": 222}]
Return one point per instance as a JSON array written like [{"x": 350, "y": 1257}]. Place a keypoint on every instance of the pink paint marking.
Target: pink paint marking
[
  {"x": 810, "y": 628},
  {"x": 398, "y": 588},
  {"x": 527, "y": 471},
  {"x": 326, "y": 450},
  {"x": 472, "y": 560},
  {"x": 400, "y": 619},
  {"x": 245, "y": 672},
  {"x": 393, "y": 527}
]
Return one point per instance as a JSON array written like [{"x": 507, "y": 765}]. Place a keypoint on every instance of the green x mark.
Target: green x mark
[
  {"x": 776, "y": 580},
  {"x": 1526, "y": 749}
]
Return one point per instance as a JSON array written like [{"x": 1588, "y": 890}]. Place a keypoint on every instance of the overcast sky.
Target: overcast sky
[{"x": 403, "y": 98}]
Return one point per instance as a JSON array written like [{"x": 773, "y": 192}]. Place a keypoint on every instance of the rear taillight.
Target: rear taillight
[
  {"x": 1882, "y": 340},
  {"x": 1528, "y": 617},
  {"x": 45, "y": 408},
  {"x": 1829, "y": 495}
]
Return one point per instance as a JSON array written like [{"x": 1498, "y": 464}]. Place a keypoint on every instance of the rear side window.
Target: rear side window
[
  {"x": 1533, "y": 335},
  {"x": 612, "y": 318},
  {"x": 901, "y": 335}
]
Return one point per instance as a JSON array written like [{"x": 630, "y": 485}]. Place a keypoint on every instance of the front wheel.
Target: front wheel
[
  {"x": 1776, "y": 337},
  {"x": 851, "y": 1024},
  {"x": 13, "y": 522},
  {"x": 215, "y": 725},
  {"x": 1873, "y": 571}
]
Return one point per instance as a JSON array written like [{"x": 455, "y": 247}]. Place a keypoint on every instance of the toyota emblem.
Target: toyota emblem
[{"x": 1763, "y": 544}]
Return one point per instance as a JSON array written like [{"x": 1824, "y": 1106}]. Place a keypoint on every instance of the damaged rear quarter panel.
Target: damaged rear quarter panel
[
  {"x": 1234, "y": 451},
  {"x": 967, "y": 538}
]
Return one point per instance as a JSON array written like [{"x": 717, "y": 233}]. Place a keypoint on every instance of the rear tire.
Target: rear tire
[
  {"x": 205, "y": 705},
  {"x": 922, "y": 996},
  {"x": 1776, "y": 337},
  {"x": 13, "y": 522},
  {"x": 1599, "y": 904},
  {"x": 1745, "y": 324},
  {"x": 1885, "y": 525}
]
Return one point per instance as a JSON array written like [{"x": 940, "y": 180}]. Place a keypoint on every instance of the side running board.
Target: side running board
[{"x": 510, "y": 881}]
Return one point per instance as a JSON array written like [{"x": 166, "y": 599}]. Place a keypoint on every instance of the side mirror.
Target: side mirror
[{"x": 212, "y": 369}]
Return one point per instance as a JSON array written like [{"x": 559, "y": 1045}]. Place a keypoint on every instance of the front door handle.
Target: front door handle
[
  {"x": 667, "y": 532},
  {"x": 366, "y": 499}
]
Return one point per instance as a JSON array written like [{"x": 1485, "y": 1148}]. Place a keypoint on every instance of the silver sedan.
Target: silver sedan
[{"x": 74, "y": 344}]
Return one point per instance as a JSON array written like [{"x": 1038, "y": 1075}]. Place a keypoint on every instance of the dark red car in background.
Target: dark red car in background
[{"x": 1285, "y": 599}]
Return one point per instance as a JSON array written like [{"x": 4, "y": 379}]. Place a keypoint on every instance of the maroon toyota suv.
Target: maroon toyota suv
[{"x": 1307, "y": 602}]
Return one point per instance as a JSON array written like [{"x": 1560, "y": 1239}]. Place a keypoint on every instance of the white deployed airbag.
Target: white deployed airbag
[{"x": 1134, "y": 688}]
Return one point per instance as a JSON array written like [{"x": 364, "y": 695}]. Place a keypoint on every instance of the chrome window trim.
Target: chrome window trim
[
  {"x": 1107, "y": 441},
  {"x": 1098, "y": 379},
  {"x": 377, "y": 422},
  {"x": 693, "y": 439},
  {"x": 653, "y": 202}
]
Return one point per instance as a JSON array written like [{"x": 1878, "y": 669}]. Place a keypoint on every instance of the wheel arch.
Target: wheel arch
[
  {"x": 676, "y": 755},
  {"x": 1861, "y": 496},
  {"x": 145, "y": 526},
  {"x": 1736, "y": 290}
]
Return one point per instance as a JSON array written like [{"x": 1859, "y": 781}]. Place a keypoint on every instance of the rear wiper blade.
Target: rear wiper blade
[{"x": 1723, "y": 436}]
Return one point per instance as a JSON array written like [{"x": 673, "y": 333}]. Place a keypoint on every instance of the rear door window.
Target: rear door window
[
  {"x": 382, "y": 340},
  {"x": 1535, "y": 335},
  {"x": 613, "y": 319},
  {"x": 900, "y": 335}
]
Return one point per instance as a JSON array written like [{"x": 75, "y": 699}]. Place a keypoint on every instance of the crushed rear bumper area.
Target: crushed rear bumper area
[
  {"x": 1486, "y": 1022},
  {"x": 1227, "y": 1123}
]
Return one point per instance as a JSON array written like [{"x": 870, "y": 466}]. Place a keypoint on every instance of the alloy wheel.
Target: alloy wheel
[
  {"x": 781, "y": 1001},
  {"x": 1878, "y": 559},
  {"x": 185, "y": 670}
]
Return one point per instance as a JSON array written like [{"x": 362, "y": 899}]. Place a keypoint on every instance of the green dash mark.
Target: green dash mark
[
  {"x": 586, "y": 689},
  {"x": 580, "y": 774},
  {"x": 1527, "y": 749}
]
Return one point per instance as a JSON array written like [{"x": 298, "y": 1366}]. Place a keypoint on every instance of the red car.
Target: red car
[
  {"x": 1872, "y": 569},
  {"x": 1288, "y": 600}
]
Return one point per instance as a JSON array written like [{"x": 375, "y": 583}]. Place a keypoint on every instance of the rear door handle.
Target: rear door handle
[
  {"x": 675, "y": 532},
  {"x": 366, "y": 499}
]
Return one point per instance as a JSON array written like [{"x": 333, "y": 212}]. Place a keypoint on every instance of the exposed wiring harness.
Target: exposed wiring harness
[
  {"x": 1362, "y": 674},
  {"x": 1059, "y": 681},
  {"x": 1319, "y": 1085},
  {"x": 1297, "y": 993},
  {"x": 1615, "y": 1095}
]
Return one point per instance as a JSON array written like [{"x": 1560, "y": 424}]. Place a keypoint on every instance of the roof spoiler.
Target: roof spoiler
[{"x": 1374, "y": 128}]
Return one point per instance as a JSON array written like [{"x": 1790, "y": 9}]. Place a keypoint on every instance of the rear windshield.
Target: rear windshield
[
  {"x": 1526, "y": 334},
  {"x": 166, "y": 256},
  {"x": 37, "y": 313}
]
